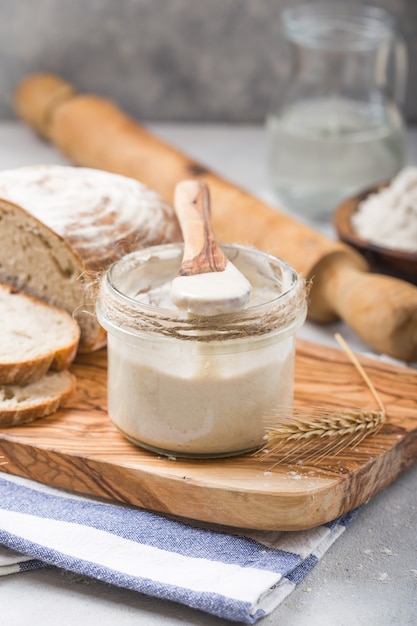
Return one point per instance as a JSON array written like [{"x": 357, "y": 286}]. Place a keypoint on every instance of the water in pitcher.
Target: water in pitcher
[
  {"x": 335, "y": 125},
  {"x": 324, "y": 150}
]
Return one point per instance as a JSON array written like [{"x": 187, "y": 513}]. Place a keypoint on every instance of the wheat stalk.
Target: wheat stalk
[
  {"x": 313, "y": 433},
  {"x": 344, "y": 422}
]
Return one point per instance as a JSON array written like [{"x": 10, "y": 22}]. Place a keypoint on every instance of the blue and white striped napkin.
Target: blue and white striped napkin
[{"x": 237, "y": 575}]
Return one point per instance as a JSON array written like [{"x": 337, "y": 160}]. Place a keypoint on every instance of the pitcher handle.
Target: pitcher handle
[
  {"x": 392, "y": 68},
  {"x": 400, "y": 58}
]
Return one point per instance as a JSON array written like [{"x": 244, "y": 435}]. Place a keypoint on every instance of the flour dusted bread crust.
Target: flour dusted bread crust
[
  {"x": 34, "y": 337},
  {"x": 20, "y": 404},
  {"x": 61, "y": 226}
]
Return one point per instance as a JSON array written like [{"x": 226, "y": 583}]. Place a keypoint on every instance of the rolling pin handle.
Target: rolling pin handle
[{"x": 380, "y": 309}]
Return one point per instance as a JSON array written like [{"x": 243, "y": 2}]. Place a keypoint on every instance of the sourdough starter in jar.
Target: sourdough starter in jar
[{"x": 192, "y": 386}]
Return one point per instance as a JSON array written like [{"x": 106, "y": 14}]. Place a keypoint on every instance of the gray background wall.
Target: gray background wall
[{"x": 176, "y": 60}]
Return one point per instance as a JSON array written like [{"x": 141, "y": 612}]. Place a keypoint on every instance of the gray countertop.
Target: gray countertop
[{"x": 368, "y": 577}]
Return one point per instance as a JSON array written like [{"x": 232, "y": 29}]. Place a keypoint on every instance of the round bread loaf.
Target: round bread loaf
[{"x": 63, "y": 226}]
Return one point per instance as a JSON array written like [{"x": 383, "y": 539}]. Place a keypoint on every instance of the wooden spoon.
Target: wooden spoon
[{"x": 207, "y": 282}]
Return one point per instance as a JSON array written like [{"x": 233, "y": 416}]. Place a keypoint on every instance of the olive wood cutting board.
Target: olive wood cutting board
[{"x": 79, "y": 449}]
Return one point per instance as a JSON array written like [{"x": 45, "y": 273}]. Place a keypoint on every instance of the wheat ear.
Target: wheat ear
[{"x": 316, "y": 432}]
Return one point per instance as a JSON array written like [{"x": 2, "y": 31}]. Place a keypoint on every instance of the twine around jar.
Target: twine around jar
[{"x": 130, "y": 314}]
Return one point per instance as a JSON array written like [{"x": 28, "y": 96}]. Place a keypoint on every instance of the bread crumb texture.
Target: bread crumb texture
[
  {"x": 20, "y": 404},
  {"x": 35, "y": 337}
]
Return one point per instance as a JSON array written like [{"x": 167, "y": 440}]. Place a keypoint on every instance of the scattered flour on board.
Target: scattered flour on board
[{"x": 389, "y": 217}]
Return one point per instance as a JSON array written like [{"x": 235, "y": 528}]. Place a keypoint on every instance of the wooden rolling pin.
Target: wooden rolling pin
[{"x": 93, "y": 132}]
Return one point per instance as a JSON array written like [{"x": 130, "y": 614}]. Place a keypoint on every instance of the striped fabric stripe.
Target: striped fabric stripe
[{"x": 236, "y": 575}]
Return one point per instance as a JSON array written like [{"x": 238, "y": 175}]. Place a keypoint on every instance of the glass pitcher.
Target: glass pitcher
[{"x": 336, "y": 126}]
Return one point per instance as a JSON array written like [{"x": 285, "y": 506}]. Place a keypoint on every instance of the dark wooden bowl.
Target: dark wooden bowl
[{"x": 398, "y": 263}]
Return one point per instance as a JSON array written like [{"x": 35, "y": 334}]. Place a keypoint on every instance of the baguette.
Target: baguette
[
  {"x": 61, "y": 227},
  {"x": 20, "y": 404},
  {"x": 34, "y": 338}
]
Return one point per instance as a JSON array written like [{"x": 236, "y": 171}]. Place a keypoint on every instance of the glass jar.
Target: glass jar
[
  {"x": 336, "y": 127},
  {"x": 198, "y": 386}
]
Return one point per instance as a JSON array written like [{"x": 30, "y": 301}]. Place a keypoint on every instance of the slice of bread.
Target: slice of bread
[
  {"x": 20, "y": 404},
  {"x": 35, "y": 336},
  {"x": 62, "y": 226}
]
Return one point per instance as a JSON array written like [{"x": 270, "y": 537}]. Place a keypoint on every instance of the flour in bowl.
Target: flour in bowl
[{"x": 389, "y": 217}]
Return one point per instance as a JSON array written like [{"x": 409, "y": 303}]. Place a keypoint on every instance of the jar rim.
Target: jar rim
[
  {"x": 260, "y": 318},
  {"x": 330, "y": 25},
  {"x": 153, "y": 250}
]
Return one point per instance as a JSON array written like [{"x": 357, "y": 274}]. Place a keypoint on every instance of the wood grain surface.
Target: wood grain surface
[{"x": 79, "y": 449}]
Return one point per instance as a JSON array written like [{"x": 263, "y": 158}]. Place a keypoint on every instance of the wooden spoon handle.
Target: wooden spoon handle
[{"x": 202, "y": 254}]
